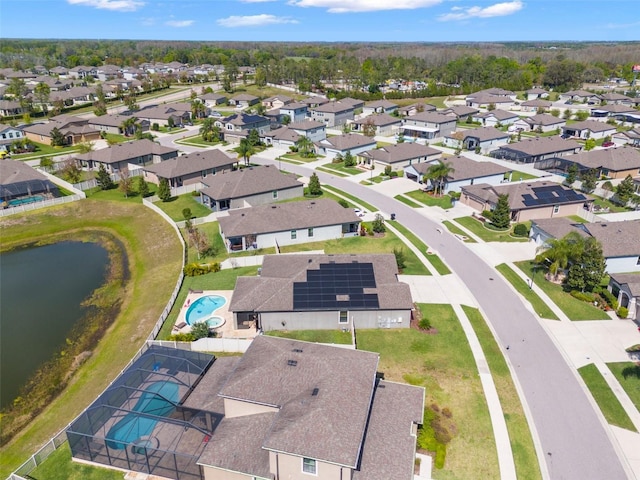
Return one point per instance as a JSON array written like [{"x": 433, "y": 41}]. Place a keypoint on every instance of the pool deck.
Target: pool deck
[{"x": 226, "y": 330}]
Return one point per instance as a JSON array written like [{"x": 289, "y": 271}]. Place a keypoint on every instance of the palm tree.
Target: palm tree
[
  {"x": 245, "y": 150},
  {"x": 438, "y": 173},
  {"x": 128, "y": 126},
  {"x": 207, "y": 130},
  {"x": 560, "y": 252},
  {"x": 304, "y": 145}
]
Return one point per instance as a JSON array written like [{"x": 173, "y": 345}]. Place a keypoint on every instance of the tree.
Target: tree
[
  {"x": 501, "y": 217},
  {"x": 57, "y": 138},
  {"x": 130, "y": 101},
  {"x": 368, "y": 128},
  {"x": 582, "y": 115},
  {"x": 128, "y": 126},
  {"x": 85, "y": 147},
  {"x": 200, "y": 330},
  {"x": 589, "y": 144},
  {"x": 588, "y": 267},
  {"x": 199, "y": 241},
  {"x": 349, "y": 160},
  {"x": 260, "y": 78},
  {"x": 438, "y": 173},
  {"x": 186, "y": 214},
  {"x": 314, "y": 185},
  {"x": 164, "y": 191},
  {"x": 378, "y": 224},
  {"x": 401, "y": 257},
  {"x": 46, "y": 163},
  {"x": 572, "y": 174},
  {"x": 41, "y": 92},
  {"x": 305, "y": 146},
  {"x": 71, "y": 171},
  {"x": 245, "y": 150},
  {"x": 588, "y": 179},
  {"x": 103, "y": 178},
  {"x": 559, "y": 253},
  {"x": 143, "y": 187},
  {"x": 126, "y": 182},
  {"x": 286, "y": 120},
  {"x": 254, "y": 137},
  {"x": 625, "y": 190},
  {"x": 209, "y": 131}
]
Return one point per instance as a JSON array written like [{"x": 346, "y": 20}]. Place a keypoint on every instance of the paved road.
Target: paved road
[{"x": 575, "y": 443}]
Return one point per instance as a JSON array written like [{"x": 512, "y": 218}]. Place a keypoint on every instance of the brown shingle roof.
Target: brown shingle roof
[
  {"x": 465, "y": 168},
  {"x": 544, "y": 119},
  {"x": 401, "y": 152},
  {"x": 125, "y": 151},
  {"x": 591, "y": 125},
  {"x": 614, "y": 159},
  {"x": 205, "y": 396},
  {"x": 248, "y": 181},
  {"x": 484, "y": 134},
  {"x": 543, "y": 146},
  {"x": 618, "y": 239},
  {"x": 348, "y": 141},
  {"x": 378, "y": 120},
  {"x": 191, "y": 163}
]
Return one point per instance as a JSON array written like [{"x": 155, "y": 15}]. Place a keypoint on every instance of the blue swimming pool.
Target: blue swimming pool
[
  {"x": 203, "y": 308},
  {"x": 23, "y": 201},
  {"x": 158, "y": 399}
]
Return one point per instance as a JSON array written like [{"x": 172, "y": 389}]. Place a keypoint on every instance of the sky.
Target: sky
[{"x": 324, "y": 20}]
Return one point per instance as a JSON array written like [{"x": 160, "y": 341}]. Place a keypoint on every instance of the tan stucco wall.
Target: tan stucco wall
[
  {"x": 547, "y": 212},
  {"x": 236, "y": 408},
  {"x": 211, "y": 473},
  {"x": 289, "y": 467}
]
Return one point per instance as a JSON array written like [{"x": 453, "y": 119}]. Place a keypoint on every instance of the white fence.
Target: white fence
[
  {"x": 194, "y": 187},
  {"x": 27, "y": 207},
  {"x": 209, "y": 344},
  {"x": 115, "y": 177}
]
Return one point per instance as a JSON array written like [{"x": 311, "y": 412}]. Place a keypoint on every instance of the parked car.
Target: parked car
[{"x": 608, "y": 144}]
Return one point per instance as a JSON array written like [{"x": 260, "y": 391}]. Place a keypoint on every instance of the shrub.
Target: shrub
[
  {"x": 401, "y": 259},
  {"x": 623, "y": 312},
  {"x": 200, "y": 330},
  {"x": 387, "y": 171},
  {"x": 393, "y": 174},
  {"x": 378, "y": 224},
  {"x": 343, "y": 203},
  {"x": 155, "y": 127},
  {"x": 608, "y": 297},
  {"x": 584, "y": 296},
  {"x": 181, "y": 337},
  {"x": 520, "y": 230},
  {"x": 487, "y": 214},
  {"x": 424, "y": 324},
  {"x": 607, "y": 186},
  {"x": 196, "y": 269}
]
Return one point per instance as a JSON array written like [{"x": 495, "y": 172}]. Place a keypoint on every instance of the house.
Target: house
[
  {"x": 612, "y": 110},
  {"x": 291, "y": 223},
  {"x": 536, "y": 93},
  {"x": 493, "y": 97},
  {"x": 536, "y": 105},
  {"x": 460, "y": 112},
  {"x": 354, "y": 102},
  {"x": 341, "y": 144},
  {"x": 615, "y": 163},
  {"x": 589, "y": 129},
  {"x": 527, "y": 201},
  {"x": 314, "y": 131},
  {"x": 333, "y": 114},
  {"x": 8, "y": 135},
  {"x": 277, "y": 101},
  {"x": 482, "y": 139},
  {"x": 614, "y": 98},
  {"x": 137, "y": 153},
  {"x": 323, "y": 292},
  {"x": 580, "y": 96},
  {"x": 495, "y": 118},
  {"x": 379, "y": 106},
  {"x": 72, "y": 96},
  {"x": 401, "y": 155},
  {"x": 212, "y": 100},
  {"x": 629, "y": 137},
  {"x": 192, "y": 168},
  {"x": 114, "y": 124},
  {"x": 619, "y": 240},
  {"x": 315, "y": 101},
  {"x": 10, "y": 108},
  {"x": 287, "y": 136},
  {"x": 82, "y": 71},
  {"x": 20, "y": 183},
  {"x": 238, "y": 125},
  {"x": 243, "y": 100},
  {"x": 428, "y": 126},
  {"x": 465, "y": 172},
  {"x": 382, "y": 123},
  {"x": 414, "y": 108},
  {"x": 282, "y": 137},
  {"x": 626, "y": 288},
  {"x": 296, "y": 111},
  {"x": 538, "y": 149},
  {"x": 74, "y": 130},
  {"x": 249, "y": 187},
  {"x": 541, "y": 123},
  {"x": 59, "y": 71},
  {"x": 165, "y": 115}
]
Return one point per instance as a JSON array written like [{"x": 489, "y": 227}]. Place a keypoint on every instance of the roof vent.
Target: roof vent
[
  {"x": 273, "y": 206},
  {"x": 292, "y": 363},
  {"x": 315, "y": 391},
  {"x": 297, "y": 350}
]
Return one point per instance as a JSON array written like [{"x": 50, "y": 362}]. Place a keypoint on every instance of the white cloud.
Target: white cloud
[
  {"x": 496, "y": 10},
  {"x": 253, "y": 20},
  {"x": 115, "y": 5},
  {"x": 179, "y": 23},
  {"x": 344, "y": 6}
]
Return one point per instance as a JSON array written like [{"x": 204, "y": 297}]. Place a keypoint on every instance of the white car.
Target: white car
[{"x": 360, "y": 213}]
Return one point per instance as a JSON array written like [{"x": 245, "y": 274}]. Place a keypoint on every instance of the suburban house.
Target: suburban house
[
  {"x": 527, "y": 201},
  {"x": 379, "y": 106},
  {"x": 580, "y": 96},
  {"x": 487, "y": 100},
  {"x": 465, "y": 172},
  {"x": 612, "y": 110},
  {"x": 630, "y": 137},
  {"x": 164, "y": 115},
  {"x": 414, "y": 108},
  {"x": 212, "y": 100},
  {"x": 243, "y": 100},
  {"x": 333, "y": 113},
  {"x": 290, "y": 223},
  {"x": 278, "y": 101},
  {"x": 428, "y": 125},
  {"x": 541, "y": 122},
  {"x": 286, "y": 409},
  {"x": 534, "y": 150},
  {"x": 536, "y": 93},
  {"x": 535, "y": 105},
  {"x": 401, "y": 155},
  {"x": 8, "y": 135},
  {"x": 383, "y": 124},
  {"x": 130, "y": 155},
  {"x": 296, "y": 111},
  {"x": 354, "y": 102},
  {"x": 72, "y": 96},
  {"x": 237, "y": 126},
  {"x": 249, "y": 187},
  {"x": 19, "y": 183},
  {"x": 323, "y": 292},
  {"x": 287, "y": 136},
  {"x": 483, "y": 139},
  {"x": 626, "y": 288},
  {"x": 315, "y": 101},
  {"x": 460, "y": 112},
  {"x": 192, "y": 168},
  {"x": 619, "y": 240},
  {"x": 494, "y": 118},
  {"x": 589, "y": 129},
  {"x": 82, "y": 71},
  {"x": 615, "y": 98},
  {"x": 74, "y": 130},
  {"x": 114, "y": 123},
  {"x": 282, "y": 137},
  {"x": 615, "y": 163},
  {"x": 341, "y": 144}
]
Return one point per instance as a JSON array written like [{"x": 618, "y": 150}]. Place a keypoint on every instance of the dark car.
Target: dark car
[{"x": 608, "y": 144}]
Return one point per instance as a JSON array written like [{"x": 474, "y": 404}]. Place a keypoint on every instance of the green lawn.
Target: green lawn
[
  {"x": 318, "y": 336},
  {"x": 332, "y": 172},
  {"x": 298, "y": 158},
  {"x": 519, "y": 175},
  {"x": 442, "y": 362},
  {"x": 524, "y": 453},
  {"x": 59, "y": 466},
  {"x": 407, "y": 201},
  {"x": 424, "y": 198},
  {"x": 112, "y": 138},
  {"x": 196, "y": 141},
  {"x": 604, "y": 203},
  {"x": 628, "y": 374},
  {"x": 572, "y": 307},
  {"x": 341, "y": 169},
  {"x": 42, "y": 149},
  {"x": 175, "y": 205},
  {"x": 355, "y": 200},
  {"x": 523, "y": 289},
  {"x": 604, "y": 397},
  {"x": 487, "y": 234},
  {"x": 453, "y": 228},
  {"x": 115, "y": 195},
  {"x": 435, "y": 260}
]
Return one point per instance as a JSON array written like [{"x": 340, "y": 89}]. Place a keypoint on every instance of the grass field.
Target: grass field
[
  {"x": 355, "y": 200},
  {"x": 115, "y": 195},
  {"x": 319, "y": 336},
  {"x": 154, "y": 256},
  {"x": 572, "y": 307},
  {"x": 524, "y": 453},
  {"x": 408, "y": 201},
  {"x": 196, "y": 141},
  {"x": 518, "y": 175},
  {"x": 59, "y": 466},
  {"x": 486, "y": 234},
  {"x": 175, "y": 205},
  {"x": 453, "y": 228},
  {"x": 628, "y": 374},
  {"x": 605, "y": 398},
  {"x": 43, "y": 149},
  {"x": 442, "y": 362},
  {"x": 437, "y": 263},
  {"x": 341, "y": 169},
  {"x": 523, "y": 289},
  {"x": 429, "y": 200}
]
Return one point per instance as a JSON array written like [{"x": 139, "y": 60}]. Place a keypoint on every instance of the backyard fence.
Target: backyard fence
[
  {"x": 194, "y": 187},
  {"x": 208, "y": 344},
  {"x": 115, "y": 177},
  {"x": 27, "y": 207}
]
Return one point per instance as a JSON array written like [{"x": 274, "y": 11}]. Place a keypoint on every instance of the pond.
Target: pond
[{"x": 41, "y": 292}]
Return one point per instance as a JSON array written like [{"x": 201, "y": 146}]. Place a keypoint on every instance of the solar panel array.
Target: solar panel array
[
  {"x": 347, "y": 280},
  {"x": 551, "y": 195}
]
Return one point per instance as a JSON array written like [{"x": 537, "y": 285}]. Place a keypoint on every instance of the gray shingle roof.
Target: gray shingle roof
[
  {"x": 348, "y": 141},
  {"x": 544, "y": 119},
  {"x": 618, "y": 239},
  {"x": 431, "y": 117},
  {"x": 537, "y": 103},
  {"x": 543, "y": 146},
  {"x": 631, "y": 280},
  {"x": 498, "y": 114},
  {"x": 13, "y": 171},
  {"x": 112, "y": 120},
  {"x": 485, "y": 134},
  {"x": 328, "y": 426},
  {"x": 285, "y": 216},
  {"x": 248, "y": 181},
  {"x": 191, "y": 163},
  {"x": 401, "y": 152},
  {"x": 305, "y": 125},
  {"x": 334, "y": 107},
  {"x": 125, "y": 151},
  {"x": 465, "y": 168},
  {"x": 559, "y": 227},
  {"x": 519, "y": 192},
  {"x": 614, "y": 159},
  {"x": 205, "y": 396},
  {"x": 592, "y": 125},
  {"x": 378, "y": 120}
]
